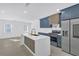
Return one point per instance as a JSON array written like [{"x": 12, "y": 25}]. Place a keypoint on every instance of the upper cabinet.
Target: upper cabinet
[
  {"x": 70, "y": 12},
  {"x": 75, "y": 11},
  {"x": 54, "y": 19},
  {"x": 49, "y": 21},
  {"x": 44, "y": 23},
  {"x": 65, "y": 14}
]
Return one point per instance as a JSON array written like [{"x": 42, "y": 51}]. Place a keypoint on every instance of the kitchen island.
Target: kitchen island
[{"x": 37, "y": 45}]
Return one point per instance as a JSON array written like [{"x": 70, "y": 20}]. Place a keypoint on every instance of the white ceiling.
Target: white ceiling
[
  {"x": 41, "y": 10},
  {"x": 21, "y": 12}
]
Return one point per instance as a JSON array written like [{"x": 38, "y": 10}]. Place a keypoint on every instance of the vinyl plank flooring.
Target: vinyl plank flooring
[
  {"x": 55, "y": 51},
  {"x": 12, "y": 47}
]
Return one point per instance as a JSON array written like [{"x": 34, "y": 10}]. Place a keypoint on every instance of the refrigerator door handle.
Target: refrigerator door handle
[
  {"x": 66, "y": 33},
  {"x": 63, "y": 33}
]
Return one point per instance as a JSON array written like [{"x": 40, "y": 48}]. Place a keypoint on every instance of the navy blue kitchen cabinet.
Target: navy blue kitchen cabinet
[
  {"x": 75, "y": 11},
  {"x": 70, "y": 12},
  {"x": 44, "y": 23},
  {"x": 65, "y": 14}
]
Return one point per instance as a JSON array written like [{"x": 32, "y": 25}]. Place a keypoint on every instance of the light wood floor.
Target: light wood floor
[
  {"x": 55, "y": 51},
  {"x": 12, "y": 47}
]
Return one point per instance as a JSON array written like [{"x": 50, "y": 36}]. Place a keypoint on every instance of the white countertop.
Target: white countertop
[{"x": 35, "y": 37}]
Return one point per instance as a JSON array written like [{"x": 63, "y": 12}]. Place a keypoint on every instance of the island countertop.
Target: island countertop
[
  {"x": 35, "y": 37},
  {"x": 37, "y": 45}
]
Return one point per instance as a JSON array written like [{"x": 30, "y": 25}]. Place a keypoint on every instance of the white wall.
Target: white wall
[
  {"x": 13, "y": 13},
  {"x": 17, "y": 28},
  {"x": 36, "y": 25}
]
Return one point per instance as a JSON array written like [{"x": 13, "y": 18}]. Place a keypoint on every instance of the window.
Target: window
[
  {"x": 25, "y": 28},
  {"x": 8, "y": 28}
]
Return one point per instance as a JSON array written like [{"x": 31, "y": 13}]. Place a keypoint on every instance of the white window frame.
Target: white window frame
[
  {"x": 5, "y": 30},
  {"x": 25, "y": 28}
]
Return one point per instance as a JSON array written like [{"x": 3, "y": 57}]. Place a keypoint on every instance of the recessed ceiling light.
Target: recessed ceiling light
[{"x": 25, "y": 12}]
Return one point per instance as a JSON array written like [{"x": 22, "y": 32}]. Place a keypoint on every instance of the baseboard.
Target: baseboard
[{"x": 17, "y": 37}]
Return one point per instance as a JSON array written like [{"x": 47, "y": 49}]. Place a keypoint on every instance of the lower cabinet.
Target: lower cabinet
[
  {"x": 38, "y": 46},
  {"x": 30, "y": 43}
]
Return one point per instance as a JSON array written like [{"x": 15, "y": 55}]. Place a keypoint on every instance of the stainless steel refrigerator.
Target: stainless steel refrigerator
[
  {"x": 70, "y": 36},
  {"x": 65, "y": 42},
  {"x": 75, "y": 37}
]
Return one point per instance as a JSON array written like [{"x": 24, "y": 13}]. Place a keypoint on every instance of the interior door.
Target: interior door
[
  {"x": 65, "y": 35},
  {"x": 75, "y": 36}
]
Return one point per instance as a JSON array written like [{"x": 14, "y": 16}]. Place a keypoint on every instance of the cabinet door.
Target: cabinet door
[
  {"x": 54, "y": 19},
  {"x": 26, "y": 41},
  {"x": 30, "y": 43},
  {"x": 44, "y": 23},
  {"x": 74, "y": 11},
  {"x": 70, "y": 13},
  {"x": 66, "y": 14}
]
